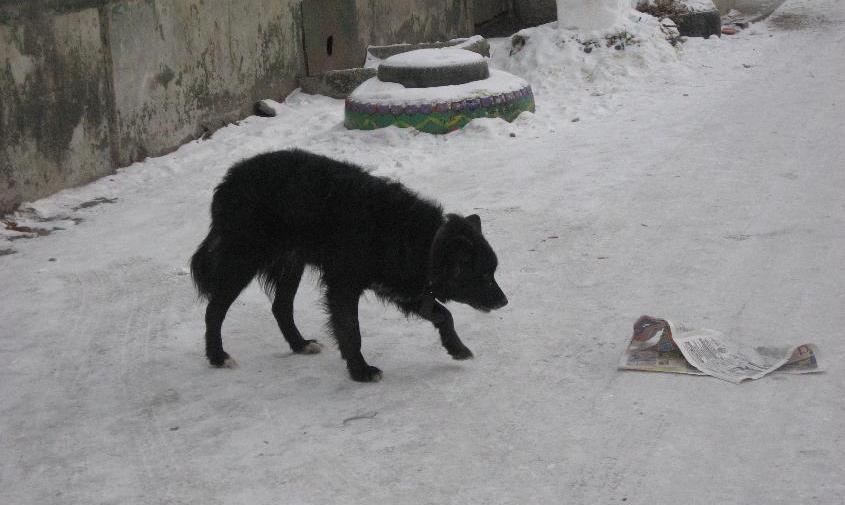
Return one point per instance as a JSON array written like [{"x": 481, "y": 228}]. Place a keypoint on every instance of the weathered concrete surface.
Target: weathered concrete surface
[
  {"x": 207, "y": 63},
  {"x": 336, "y": 83},
  {"x": 502, "y": 18},
  {"x": 54, "y": 103},
  {"x": 411, "y": 21},
  {"x": 91, "y": 85},
  {"x": 536, "y": 12},
  {"x": 331, "y": 36},
  {"x": 337, "y": 32},
  {"x": 485, "y": 10}
]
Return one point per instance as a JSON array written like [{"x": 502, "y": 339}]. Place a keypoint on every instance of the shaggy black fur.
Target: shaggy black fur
[{"x": 277, "y": 212}]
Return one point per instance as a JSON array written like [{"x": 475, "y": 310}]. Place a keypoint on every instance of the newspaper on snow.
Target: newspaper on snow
[{"x": 657, "y": 345}]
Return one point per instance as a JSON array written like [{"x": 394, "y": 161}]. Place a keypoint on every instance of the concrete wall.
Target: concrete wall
[
  {"x": 391, "y": 21},
  {"x": 536, "y": 12},
  {"x": 501, "y": 18},
  {"x": 182, "y": 67},
  {"x": 337, "y": 32},
  {"x": 485, "y": 10},
  {"x": 87, "y": 86},
  {"x": 55, "y": 103}
]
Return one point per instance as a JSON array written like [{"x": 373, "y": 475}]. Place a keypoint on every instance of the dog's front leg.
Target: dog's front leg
[
  {"x": 441, "y": 318},
  {"x": 342, "y": 304}
]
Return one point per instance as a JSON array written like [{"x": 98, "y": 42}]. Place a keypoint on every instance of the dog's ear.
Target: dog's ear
[
  {"x": 475, "y": 222},
  {"x": 455, "y": 254},
  {"x": 449, "y": 255}
]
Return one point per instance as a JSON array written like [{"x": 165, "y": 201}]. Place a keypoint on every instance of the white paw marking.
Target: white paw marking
[
  {"x": 230, "y": 363},
  {"x": 312, "y": 348}
]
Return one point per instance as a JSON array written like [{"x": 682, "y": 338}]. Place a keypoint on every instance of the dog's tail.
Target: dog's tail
[{"x": 202, "y": 264}]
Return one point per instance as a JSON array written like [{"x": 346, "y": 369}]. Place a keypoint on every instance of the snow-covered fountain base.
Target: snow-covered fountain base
[{"x": 436, "y": 91}]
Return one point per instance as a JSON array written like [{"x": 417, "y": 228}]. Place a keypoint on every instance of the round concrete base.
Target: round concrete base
[{"x": 377, "y": 104}]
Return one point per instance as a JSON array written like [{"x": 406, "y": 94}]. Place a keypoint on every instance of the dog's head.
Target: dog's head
[{"x": 463, "y": 264}]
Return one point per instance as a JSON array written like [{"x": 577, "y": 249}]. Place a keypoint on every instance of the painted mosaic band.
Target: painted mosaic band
[{"x": 442, "y": 117}]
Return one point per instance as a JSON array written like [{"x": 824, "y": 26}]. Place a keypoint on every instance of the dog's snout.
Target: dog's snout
[
  {"x": 500, "y": 299},
  {"x": 502, "y": 302}
]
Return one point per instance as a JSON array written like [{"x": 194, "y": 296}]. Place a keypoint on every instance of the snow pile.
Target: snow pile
[{"x": 562, "y": 62}]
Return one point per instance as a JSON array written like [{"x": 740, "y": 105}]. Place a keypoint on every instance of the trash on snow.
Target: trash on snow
[{"x": 657, "y": 345}]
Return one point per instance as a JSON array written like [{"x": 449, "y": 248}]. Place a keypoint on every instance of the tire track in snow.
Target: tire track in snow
[
  {"x": 100, "y": 417},
  {"x": 156, "y": 457}
]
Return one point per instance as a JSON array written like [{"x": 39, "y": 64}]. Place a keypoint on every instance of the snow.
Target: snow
[
  {"x": 757, "y": 7},
  {"x": 375, "y": 91},
  {"x": 438, "y": 57},
  {"x": 553, "y": 60},
  {"x": 704, "y": 184},
  {"x": 462, "y": 43}
]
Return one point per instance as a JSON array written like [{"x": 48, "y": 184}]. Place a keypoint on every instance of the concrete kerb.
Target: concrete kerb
[{"x": 336, "y": 83}]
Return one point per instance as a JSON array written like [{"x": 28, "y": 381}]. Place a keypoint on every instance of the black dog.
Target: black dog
[{"x": 277, "y": 212}]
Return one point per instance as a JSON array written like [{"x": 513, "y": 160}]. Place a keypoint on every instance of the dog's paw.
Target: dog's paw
[
  {"x": 461, "y": 354},
  {"x": 366, "y": 374},
  {"x": 224, "y": 361},
  {"x": 310, "y": 347}
]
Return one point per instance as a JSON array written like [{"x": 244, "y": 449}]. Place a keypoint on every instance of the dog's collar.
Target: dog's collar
[
  {"x": 428, "y": 296},
  {"x": 427, "y": 304},
  {"x": 435, "y": 243}
]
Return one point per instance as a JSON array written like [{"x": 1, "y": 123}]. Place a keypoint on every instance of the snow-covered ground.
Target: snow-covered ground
[{"x": 704, "y": 184}]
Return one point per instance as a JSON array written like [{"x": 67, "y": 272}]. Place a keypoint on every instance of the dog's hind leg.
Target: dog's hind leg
[
  {"x": 234, "y": 274},
  {"x": 283, "y": 280},
  {"x": 342, "y": 305},
  {"x": 441, "y": 318}
]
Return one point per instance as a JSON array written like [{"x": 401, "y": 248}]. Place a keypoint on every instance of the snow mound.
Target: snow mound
[{"x": 561, "y": 61}]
